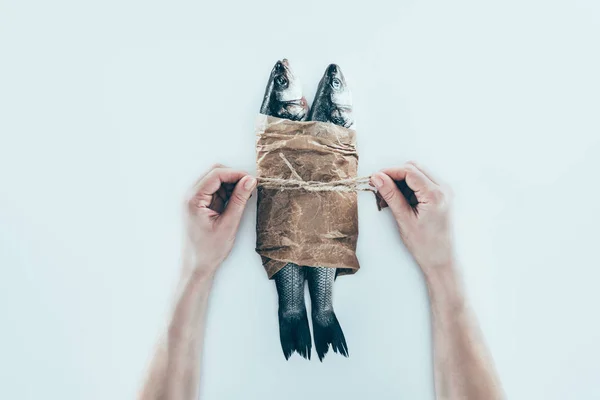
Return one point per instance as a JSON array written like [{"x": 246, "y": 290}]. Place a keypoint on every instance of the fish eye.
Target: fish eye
[
  {"x": 281, "y": 81},
  {"x": 336, "y": 83}
]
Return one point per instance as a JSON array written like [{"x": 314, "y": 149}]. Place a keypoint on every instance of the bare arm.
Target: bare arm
[
  {"x": 463, "y": 366},
  {"x": 213, "y": 213},
  {"x": 174, "y": 372}
]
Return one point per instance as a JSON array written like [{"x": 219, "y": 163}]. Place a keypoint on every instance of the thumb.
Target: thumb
[
  {"x": 237, "y": 202},
  {"x": 391, "y": 194}
]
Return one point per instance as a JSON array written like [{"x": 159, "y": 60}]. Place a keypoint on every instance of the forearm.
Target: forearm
[
  {"x": 174, "y": 373},
  {"x": 185, "y": 339},
  {"x": 462, "y": 364}
]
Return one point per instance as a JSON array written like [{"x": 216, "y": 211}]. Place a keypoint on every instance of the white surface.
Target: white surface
[{"x": 109, "y": 110}]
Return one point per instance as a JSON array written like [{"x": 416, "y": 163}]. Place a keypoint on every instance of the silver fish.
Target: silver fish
[
  {"x": 283, "y": 99},
  {"x": 333, "y": 103}
]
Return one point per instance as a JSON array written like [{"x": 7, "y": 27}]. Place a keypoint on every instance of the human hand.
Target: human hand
[
  {"x": 421, "y": 206},
  {"x": 214, "y": 210}
]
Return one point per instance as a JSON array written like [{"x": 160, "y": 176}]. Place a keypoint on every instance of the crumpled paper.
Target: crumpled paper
[{"x": 298, "y": 226}]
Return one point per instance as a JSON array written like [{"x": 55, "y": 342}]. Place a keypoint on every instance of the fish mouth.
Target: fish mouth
[
  {"x": 297, "y": 102},
  {"x": 282, "y": 66},
  {"x": 344, "y": 107},
  {"x": 287, "y": 88},
  {"x": 333, "y": 71}
]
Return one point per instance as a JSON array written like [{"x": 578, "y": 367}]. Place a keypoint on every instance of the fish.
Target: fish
[
  {"x": 333, "y": 104},
  {"x": 283, "y": 99}
]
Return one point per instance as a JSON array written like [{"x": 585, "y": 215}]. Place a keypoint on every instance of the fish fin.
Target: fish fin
[
  {"x": 328, "y": 331},
  {"x": 294, "y": 335}
]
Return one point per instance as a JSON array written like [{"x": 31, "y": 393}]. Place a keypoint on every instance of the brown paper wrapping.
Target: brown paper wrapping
[{"x": 298, "y": 226}]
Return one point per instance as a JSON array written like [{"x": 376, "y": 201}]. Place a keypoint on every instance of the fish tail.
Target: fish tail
[
  {"x": 294, "y": 334},
  {"x": 327, "y": 331}
]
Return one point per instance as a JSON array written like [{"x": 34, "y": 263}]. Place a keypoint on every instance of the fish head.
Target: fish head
[
  {"x": 339, "y": 91},
  {"x": 284, "y": 94},
  {"x": 333, "y": 101},
  {"x": 286, "y": 85}
]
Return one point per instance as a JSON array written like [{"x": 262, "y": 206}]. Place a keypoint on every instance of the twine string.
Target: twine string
[{"x": 359, "y": 184}]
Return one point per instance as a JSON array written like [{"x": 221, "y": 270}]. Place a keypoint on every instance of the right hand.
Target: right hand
[{"x": 422, "y": 211}]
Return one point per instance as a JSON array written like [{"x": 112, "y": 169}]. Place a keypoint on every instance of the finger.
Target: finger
[
  {"x": 237, "y": 202},
  {"x": 416, "y": 180},
  {"x": 391, "y": 194},
  {"x": 426, "y": 172},
  {"x": 214, "y": 166},
  {"x": 396, "y": 173},
  {"x": 219, "y": 199},
  {"x": 204, "y": 190},
  {"x": 408, "y": 193}
]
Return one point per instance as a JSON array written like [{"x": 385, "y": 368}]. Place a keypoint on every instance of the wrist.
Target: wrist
[
  {"x": 197, "y": 280},
  {"x": 203, "y": 264},
  {"x": 197, "y": 270},
  {"x": 441, "y": 267},
  {"x": 204, "y": 272},
  {"x": 444, "y": 283}
]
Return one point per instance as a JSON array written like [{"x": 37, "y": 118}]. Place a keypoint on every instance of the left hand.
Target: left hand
[{"x": 214, "y": 210}]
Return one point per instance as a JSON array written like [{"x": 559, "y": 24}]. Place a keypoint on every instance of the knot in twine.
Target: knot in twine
[{"x": 360, "y": 184}]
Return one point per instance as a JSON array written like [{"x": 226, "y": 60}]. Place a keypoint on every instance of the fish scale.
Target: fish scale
[
  {"x": 290, "y": 283},
  {"x": 321, "y": 293}
]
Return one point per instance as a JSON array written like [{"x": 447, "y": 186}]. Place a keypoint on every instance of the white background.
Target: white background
[{"x": 110, "y": 109}]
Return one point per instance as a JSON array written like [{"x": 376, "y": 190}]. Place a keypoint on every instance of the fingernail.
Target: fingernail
[
  {"x": 377, "y": 181},
  {"x": 250, "y": 183}
]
